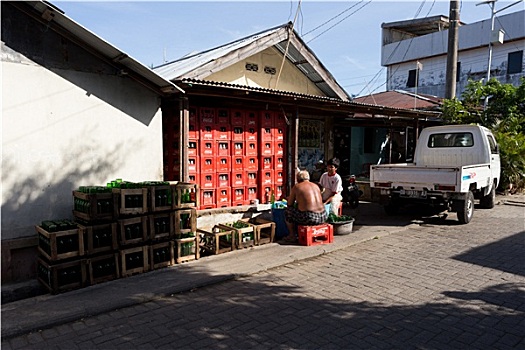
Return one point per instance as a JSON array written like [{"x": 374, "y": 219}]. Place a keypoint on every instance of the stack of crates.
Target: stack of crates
[
  {"x": 119, "y": 231},
  {"x": 236, "y": 156}
]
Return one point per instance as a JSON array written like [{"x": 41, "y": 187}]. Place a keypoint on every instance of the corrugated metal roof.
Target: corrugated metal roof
[
  {"x": 203, "y": 64},
  {"x": 420, "y": 26},
  {"x": 85, "y": 37},
  {"x": 402, "y": 99}
]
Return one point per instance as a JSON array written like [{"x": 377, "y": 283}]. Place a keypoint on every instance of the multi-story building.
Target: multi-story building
[{"x": 415, "y": 52}]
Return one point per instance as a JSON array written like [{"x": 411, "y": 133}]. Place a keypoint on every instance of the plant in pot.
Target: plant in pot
[{"x": 342, "y": 224}]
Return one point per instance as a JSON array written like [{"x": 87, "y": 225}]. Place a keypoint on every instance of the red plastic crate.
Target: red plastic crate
[
  {"x": 250, "y": 193},
  {"x": 264, "y": 194},
  {"x": 208, "y": 206},
  {"x": 278, "y": 133},
  {"x": 278, "y": 162},
  {"x": 193, "y": 147},
  {"x": 239, "y": 203},
  {"x": 251, "y": 163},
  {"x": 266, "y": 148},
  {"x": 237, "y": 179},
  {"x": 223, "y": 148},
  {"x": 278, "y": 148},
  {"x": 266, "y": 163},
  {"x": 207, "y": 148},
  {"x": 207, "y": 164},
  {"x": 266, "y": 177},
  {"x": 193, "y": 115},
  {"x": 267, "y": 118},
  {"x": 223, "y": 180},
  {"x": 208, "y": 181},
  {"x": 237, "y": 163},
  {"x": 207, "y": 116},
  {"x": 223, "y": 116},
  {"x": 251, "y": 177},
  {"x": 224, "y": 198},
  {"x": 266, "y": 133},
  {"x": 251, "y": 134},
  {"x": 238, "y": 133},
  {"x": 237, "y": 117},
  {"x": 279, "y": 177},
  {"x": 223, "y": 132},
  {"x": 237, "y": 148},
  {"x": 193, "y": 165},
  {"x": 251, "y": 119},
  {"x": 279, "y": 192},
  {"x": 207, "y": 132},
  {"x": 223, "y": 164},
  {"x": 315, "y": 235},
  {"x": 238, "y": 194},
  {"x": 207, "y": 197},
  {"x": 193, "y": 131},
  {"x": 192, "y": 178},
  {"x": 251, "y": 148},
  {"x": 279, "y": 119}
]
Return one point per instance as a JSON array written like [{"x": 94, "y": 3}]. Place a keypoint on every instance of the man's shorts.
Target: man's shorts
[{"x": 294, "y": 215}]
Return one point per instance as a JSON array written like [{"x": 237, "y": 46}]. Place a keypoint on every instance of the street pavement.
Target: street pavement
[{"x": 414, "y": 281}]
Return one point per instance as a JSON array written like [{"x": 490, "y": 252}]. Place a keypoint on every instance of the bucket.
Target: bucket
[{"x": 343, "y": 227}]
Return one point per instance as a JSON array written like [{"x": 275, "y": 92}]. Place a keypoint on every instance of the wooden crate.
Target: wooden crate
[
  {"x": 161, "y": 226},
  {"x": 161, "y": 255},
  {"x": 216, "y": 241},
  {"x": 100, "y": 238},
  {"x": 103, "y": 268},
  {"x": 60, "y": 245},
  {"x": 185, "y": 222},
  {"x": 185, "y": 195},
  {"x": 134, "y": 261},
  {"x": 264, "y": 230},
  {"x": 243, "y": 237},
  {"x": 133, "y": 230},
  {"x": 94, "y": 207},
  {"x": 186, "y": 249},
  {"x": 61, "y": 277},
  {"x": 131, "y": 201},
  {"x": 160, "y": 198}
]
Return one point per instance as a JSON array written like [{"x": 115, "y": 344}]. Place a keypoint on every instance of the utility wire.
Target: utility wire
[
  {"x": 315, "y": 37},
  {"x": 331, "y": 19}
]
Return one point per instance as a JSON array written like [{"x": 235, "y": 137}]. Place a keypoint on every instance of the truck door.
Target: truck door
[{"x": 494, "y": 157}]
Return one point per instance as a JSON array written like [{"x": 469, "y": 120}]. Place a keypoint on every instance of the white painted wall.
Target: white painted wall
[{"x": 63, "y": 129}]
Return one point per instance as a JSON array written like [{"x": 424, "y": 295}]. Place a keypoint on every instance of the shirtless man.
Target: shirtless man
[{"x": 305, "y": 205}]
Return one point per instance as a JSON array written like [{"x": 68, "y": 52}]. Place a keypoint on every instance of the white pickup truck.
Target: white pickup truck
[{"x": 453, "y": 165}]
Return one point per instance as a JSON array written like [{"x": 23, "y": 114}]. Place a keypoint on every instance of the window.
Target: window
[
  {"x": 411, "y": 82},
  {"x": 458, "y": 71},
  {"x": 458, "y": 139},
  {"x": 515, "y": 62},
  {"x": 493, "y": 145},
  {"x": 252, "y": 66}
]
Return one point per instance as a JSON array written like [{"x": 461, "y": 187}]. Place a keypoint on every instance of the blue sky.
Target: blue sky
[{"x": 344, "y": 35}]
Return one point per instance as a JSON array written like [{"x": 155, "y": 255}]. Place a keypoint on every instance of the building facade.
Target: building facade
[{"x": 415, "y": 53}]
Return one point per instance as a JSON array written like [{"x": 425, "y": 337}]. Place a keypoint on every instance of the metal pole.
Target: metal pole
[{"x": 452, "y": 56}]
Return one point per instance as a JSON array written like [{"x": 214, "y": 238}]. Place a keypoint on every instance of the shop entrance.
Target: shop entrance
[{"x": 342, "y": 139}]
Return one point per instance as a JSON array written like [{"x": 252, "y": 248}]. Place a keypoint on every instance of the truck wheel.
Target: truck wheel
[
  {"x": 487, "y": 202},
  {"x": 466, "y": 212}
]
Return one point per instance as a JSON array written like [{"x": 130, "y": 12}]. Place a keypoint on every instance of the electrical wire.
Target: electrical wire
[{"x": 331, "y": 19}]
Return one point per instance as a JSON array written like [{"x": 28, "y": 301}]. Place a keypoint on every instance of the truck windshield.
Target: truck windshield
[{"x": 458, "y": 139}]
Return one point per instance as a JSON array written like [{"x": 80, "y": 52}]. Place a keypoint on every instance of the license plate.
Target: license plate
[{"x": 413, "y": 193}]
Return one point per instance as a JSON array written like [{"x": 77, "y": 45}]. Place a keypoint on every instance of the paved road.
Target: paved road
[{"x": 437, "y": 285}]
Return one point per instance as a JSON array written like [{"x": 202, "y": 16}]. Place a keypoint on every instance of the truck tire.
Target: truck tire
[
  {"x": 487, "y": 202},
  {"x": 466, "y": 212}
]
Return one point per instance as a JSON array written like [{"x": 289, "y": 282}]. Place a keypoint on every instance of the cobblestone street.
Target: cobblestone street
[{"x": 438, "y": 285}]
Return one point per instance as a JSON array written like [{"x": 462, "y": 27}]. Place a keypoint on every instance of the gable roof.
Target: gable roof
[{"x": 283, "y": 38}]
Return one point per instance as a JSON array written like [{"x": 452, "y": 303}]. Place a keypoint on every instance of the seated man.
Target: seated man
[{"x": 305, "y": 205}]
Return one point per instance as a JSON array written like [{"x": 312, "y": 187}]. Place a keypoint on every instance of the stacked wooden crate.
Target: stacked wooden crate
[{"x": 119, "y": 232}]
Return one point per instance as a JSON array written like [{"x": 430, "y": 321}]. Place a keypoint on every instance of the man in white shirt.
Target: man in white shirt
[{"x": 333, "y": 185}]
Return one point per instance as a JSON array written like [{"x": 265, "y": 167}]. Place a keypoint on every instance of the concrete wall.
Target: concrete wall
[
  {"x": 68, "y": 119},
  {"x": 290, "y": 80},
  {"x": 431, "y": 51}
]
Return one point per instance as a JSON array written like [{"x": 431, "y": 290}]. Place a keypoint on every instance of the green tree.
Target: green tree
[{"x": 504, "y": 115}]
